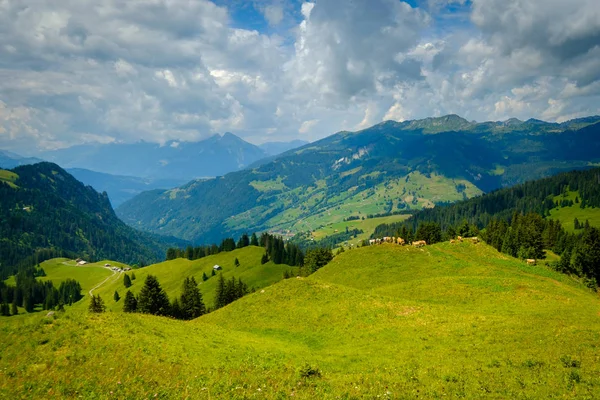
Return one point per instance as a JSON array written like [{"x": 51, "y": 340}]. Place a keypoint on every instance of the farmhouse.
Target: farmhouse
[
  {"x": 81, "y": 262},
  {"x": 217, "y": 268}
]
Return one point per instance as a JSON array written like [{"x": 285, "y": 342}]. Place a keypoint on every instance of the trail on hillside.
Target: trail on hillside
[{"x": 104, "y": 281}]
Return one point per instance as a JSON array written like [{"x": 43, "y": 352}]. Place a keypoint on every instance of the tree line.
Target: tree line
[
  {"x": 276, "y": 249},
  {"x": 29, "y": 293},
  {"x": 153, "y": 299},
  {"x": 534, "y": 196}
]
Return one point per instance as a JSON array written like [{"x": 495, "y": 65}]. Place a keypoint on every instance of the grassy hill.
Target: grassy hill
[
  {"x": 395, "y": 322},
  {"x": 171, "y": 274}
]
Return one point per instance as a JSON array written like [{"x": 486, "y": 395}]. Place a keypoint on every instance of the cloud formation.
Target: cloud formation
[{"x": 113, "y": 70}]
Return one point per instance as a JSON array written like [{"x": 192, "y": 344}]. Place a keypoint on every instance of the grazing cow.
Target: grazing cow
[
  {"x": 459, "y": 238},
  {"x": 475, "y": 240},
  {"x": 419, "y": 243},
  {"x": 401, "y": 241},
  {"x": 378, "y": 240},
  {"x": 371, "y": 242},
  {"x": 530, "y": 261},
  {"x": 452, "y": 241},
  {"x": 387, "y": 239}
]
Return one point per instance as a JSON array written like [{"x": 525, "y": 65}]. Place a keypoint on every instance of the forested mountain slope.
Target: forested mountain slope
[
  {"x": 46, "y": 212},
  {"x": 539, "y": 196},
  {"x": 389, "y": 167}
]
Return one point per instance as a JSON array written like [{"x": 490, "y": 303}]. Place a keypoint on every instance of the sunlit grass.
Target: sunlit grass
[{"x": 449, "y": 320}]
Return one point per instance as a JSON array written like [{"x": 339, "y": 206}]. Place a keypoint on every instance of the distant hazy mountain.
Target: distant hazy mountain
[
  {"x": 275, "y": 148},
  {"x": 389, "y": 167},
  {"x": 214, "y": 156},
  {"x": 121, "y": 188},
  {"x": 10, "y": 160}
]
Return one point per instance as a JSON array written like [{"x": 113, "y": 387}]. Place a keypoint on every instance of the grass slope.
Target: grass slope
[
  {"x": 171, "y": 274},
  {"x": 444, "y": 321},
  {"x": 567, "y": 215}
]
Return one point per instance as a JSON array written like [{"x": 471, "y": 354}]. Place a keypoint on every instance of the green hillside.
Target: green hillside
[
  {"x": 566, "y": 215},
  {"x": 45, "y": 213},
  {"x": 395, "y": 322},
  {"x": 171, "y": 274},
  {"x": 389, "y": 167}
]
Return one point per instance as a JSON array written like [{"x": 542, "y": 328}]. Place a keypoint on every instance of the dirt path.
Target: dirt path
[{"x": 104, "y": 281}]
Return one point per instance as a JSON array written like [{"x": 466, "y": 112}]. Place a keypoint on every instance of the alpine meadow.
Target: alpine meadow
[{"x": 280, "y": 199}]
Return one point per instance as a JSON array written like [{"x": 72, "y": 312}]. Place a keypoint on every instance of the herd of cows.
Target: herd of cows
[
  {"x": 415, "y": 243},
  {"x": 421, "y": 243}
]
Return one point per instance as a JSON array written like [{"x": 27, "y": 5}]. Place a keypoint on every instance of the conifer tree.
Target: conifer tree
[
  {"x": 13, "y": 309},
  {"x": 253, "y": 240},
  {"x": 176, "y": 311},
  {"x": 576, "y": 224},
  {"x": 116, "y": 296},
  {"x": 220, "y": 293},
  {"x": 127, "y": 281},
  {"x": 236, "y": 262},
  {"x": 96, "y": 304},
  {"x": 133, "y": 276},
  {"x": 265, "y": 258},
  {"x": 4, "y": 309},
  {"x": 191, "y": 302},
  {"x": 204, "y": 277},
  {"x": 152, "y": 298},
  {"x": 130, "y": 302},
  {"x": 213, "y": 273}
]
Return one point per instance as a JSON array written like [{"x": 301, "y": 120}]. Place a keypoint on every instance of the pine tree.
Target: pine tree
[
  {"x": 4, "y": 309},
  {"x": 13, "y": 309},
  {"x": 176, "y": 311},
  {"x": 127, "y": 281},
  {"x": 265, "y": 258},
  {"x": 236, "y": 262},
  {"x": 133, "y": 276},
  {"x": 130, "y": 302},
  {"x": 116, "y": 296},
  {"x": 192, "y": 305},
  {"x": 213, "y": 273},
  {"x": 96, "y": 304},
  {"x": 204, "y": 277},
  {"x": 253, "y": 240},
  {"x": 576, "y": 224},
  {"x": 220, "y": 294},
  {"x": 152, "y": 298}
]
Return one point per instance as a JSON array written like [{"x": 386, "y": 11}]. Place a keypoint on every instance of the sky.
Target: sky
[{"x": 102, "y": 71}]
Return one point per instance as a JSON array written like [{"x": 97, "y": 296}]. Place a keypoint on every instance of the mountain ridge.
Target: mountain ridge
[{"x": 390, "y": 166}]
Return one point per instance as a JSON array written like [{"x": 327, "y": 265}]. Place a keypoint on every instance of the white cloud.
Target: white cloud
[
  {"x": 274, "y": 14},
  {"x": 77, "y": 71}
]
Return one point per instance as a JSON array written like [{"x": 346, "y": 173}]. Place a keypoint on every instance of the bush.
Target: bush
[{"x": 308, "y": 371}]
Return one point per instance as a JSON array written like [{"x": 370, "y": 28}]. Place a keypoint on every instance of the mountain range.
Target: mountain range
[
  {"x": 390, "y": 167},
  {"x": 126, "y": 169}
]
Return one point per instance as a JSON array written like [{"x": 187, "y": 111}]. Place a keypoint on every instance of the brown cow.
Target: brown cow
[
  {"x": 452, "y": 241},
  {"x": 530, "y": 261},
  {"x": 419, "y": 243},
  {"x": 401, "y": 241},
  {"x": 475, "y": 240}
]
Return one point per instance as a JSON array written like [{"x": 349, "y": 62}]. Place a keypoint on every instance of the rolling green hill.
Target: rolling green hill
[
  {"x": 171, "y": 274},
  {"x": 395, "y": 322},
  {"x": 45, "y": 212},
  {"x": 389, "y": 167}
]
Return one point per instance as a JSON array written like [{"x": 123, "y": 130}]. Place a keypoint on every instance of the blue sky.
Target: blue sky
[{"x": 82, "y": 71}]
